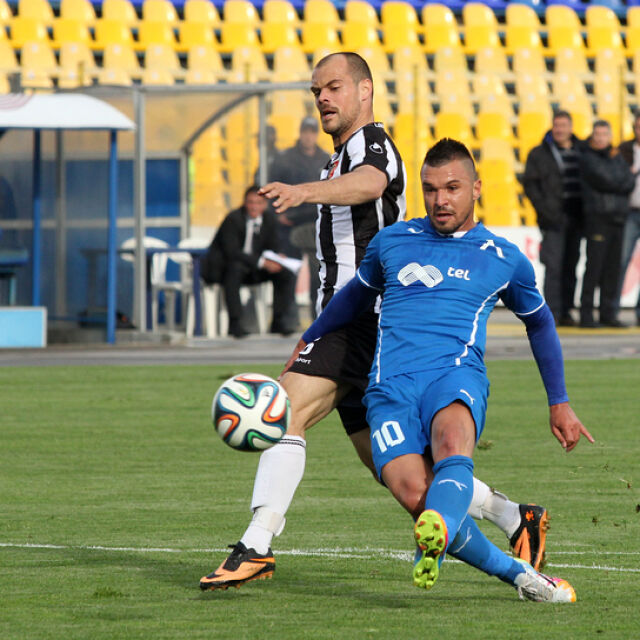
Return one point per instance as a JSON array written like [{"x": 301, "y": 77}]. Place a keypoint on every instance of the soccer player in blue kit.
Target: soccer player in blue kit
[{"x": 440, "y": 277}]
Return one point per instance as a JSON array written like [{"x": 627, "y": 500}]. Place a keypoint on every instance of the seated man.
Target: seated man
[{"x": 235, "y": 257}]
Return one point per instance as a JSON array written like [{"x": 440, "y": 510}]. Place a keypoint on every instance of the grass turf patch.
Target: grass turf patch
[{"x": 110, "y": 463}]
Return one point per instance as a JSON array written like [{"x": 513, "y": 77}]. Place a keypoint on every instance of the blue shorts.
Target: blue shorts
[{"x": 400, "y": 409}]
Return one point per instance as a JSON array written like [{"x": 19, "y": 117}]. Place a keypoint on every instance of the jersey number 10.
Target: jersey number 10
[{"x": 388, "y": 435}]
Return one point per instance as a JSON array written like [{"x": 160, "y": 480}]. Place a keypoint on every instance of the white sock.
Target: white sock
[
  {"x": 495, "y": 507},
  {"x": 279, "y": 473}
]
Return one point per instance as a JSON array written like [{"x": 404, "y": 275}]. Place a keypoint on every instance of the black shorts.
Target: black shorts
[{"x": 344, "y": 355}]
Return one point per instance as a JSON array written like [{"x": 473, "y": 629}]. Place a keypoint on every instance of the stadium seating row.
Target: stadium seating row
[{"x": 397, "y": 23}]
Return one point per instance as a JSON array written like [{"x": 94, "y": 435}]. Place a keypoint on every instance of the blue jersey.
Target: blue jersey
[{"x": 439, "y": 292}]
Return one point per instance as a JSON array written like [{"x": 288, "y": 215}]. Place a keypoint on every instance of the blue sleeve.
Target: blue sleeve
[
  {"x": 344, "y": 307},
  {"x": 545, "y": 345},
  {"x": 521, "y": 295}
]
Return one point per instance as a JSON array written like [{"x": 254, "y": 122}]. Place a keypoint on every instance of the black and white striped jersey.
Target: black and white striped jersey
[{"x": 344, "y": 231}]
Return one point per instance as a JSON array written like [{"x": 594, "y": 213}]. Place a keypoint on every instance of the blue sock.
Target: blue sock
[
  {"x": 472, "y": 546},
  {"x": 451, "y": 491}
]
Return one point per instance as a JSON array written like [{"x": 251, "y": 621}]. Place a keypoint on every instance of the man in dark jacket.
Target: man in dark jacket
[
  {"x": 296, "y": 165},
  {"x": 607, "y": 182},
  {"x": 552, "y": 183},
  {"x": 630, "y": 151},
  {"x": 235, "y": 257}
]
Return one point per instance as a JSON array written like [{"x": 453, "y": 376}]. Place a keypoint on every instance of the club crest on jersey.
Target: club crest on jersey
[
  {"x": 429, "y": 275},
  {"x": 333, "y": 166},
  {"x": 376, "y": 148}
]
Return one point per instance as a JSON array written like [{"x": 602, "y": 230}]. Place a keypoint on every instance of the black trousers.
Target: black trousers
[
  {"x": 559, "y": 253},
  {"x": 238, "y": 273},
  {"x": 604, "y": 250}
]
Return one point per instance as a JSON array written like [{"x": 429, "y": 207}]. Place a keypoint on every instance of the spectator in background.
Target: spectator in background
[
  {"x": 235, "y": 258},
  {"x": 630, "y": 151},
  {"x": 552, "y": 183},
  {"x": 301, "y": 163},
  {"x": 607, "y": 182}
]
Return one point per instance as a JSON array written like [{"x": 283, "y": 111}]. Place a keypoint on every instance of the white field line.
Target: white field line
[{"x": 347, "y": 553}]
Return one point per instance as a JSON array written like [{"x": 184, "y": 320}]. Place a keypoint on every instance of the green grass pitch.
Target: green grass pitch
[{"x": 116, "y": 496}]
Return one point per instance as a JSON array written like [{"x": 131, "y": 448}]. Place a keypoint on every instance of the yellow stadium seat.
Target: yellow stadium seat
[
  {"x": 280, "y": 25},
  {"x": 205, "y": 58},
  {"x": 408, "y": 57},
  {"x": 157, "y": 76},
  {"x": 633, "y": 29},
  {"x": 496, "y": 103},
  {"x": 249, "y": 63},
  {"x": 38, "y": 55},
  {"x": 287, "y": 111},
  {"x": 81, "y": 10},
  {"x": 456, "y": 103},
  {"x": 6, "y": 14},
  {"x": 280, "y": 11},
  {"x": 491, "y": 60},
  {"x": 77, "y": 65},
  {"x": 278, "y": 34},
  {"x": 236, "y": 34},
  {"x": 241, "y": 11},
  {"x": 610, "y": 83},
  {"x": 480, "y": 27},
  {"x": 356, "y": 35},
  {"x": 493, "y": 125},
  {"x": 8, "y": 60},
  {"x": 202, "y": 11},
  {"x": 440, "y": 28},
  {"x": 408, "y": 129},
  {"x": 570, "y": 60},
  {"x": 400, "y": 25},
  {"x": 116, "y": 77},
  {"x": 496, "y": 172},
  {"x": 453, "y": 125},
  {"x": 567, "y": 84},
  {"x": 5, "y": 87},
  {"x": 528, "y": 60},
  {"x": 37, "y": 10},
  {"x": 161, "y": 56},
  {"x": 193, "y": 34},
  {"x": 563, "y": 28},
  {"x": 500, "y": 206},
  {"x": 361, "y": 11},
  {"x": 528, "y": 83},
  {"x": 320, "y": 36},
  {"x": 35, "y": 78},
  {"x": 610, "y": 60},
  {"x": 376, "y": 58},
  {"x": 523, "y": 28},
  {"x": 27, "y": 30},
  {"x": 321, "y": 12},
  {"x": 200, "y": 76},
  {"x": 381, "y": 106},
  {"x": 159, "y": 11},
  {"x": 532, "y": 125},
  {"x": 69, "y": 30},
  {"x": 603, "y": 29},
  {"x": 489, "y": 85},
  {"x": 451, "y": 81},
  {"x": 497, "y": 149},
  {"x": 122, "y": 57},
  {"x": 291, "y": 60},
  {"x": 449, "y": 58},
  {"x": 150, "y": 33},
  {"x": 413, "y": 93},
  {"x": 120, "y": 11},
  {"x": 112, "y": 32}
]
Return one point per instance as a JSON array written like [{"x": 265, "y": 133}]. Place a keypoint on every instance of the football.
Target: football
[{"x": 250, "y": 412}]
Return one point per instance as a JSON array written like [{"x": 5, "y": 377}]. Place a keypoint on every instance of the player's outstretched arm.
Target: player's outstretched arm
[
  {"x": 363, "y": 184},
  {"x": 566, "y": 426},
  {"x": 545, "y": 345}
]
